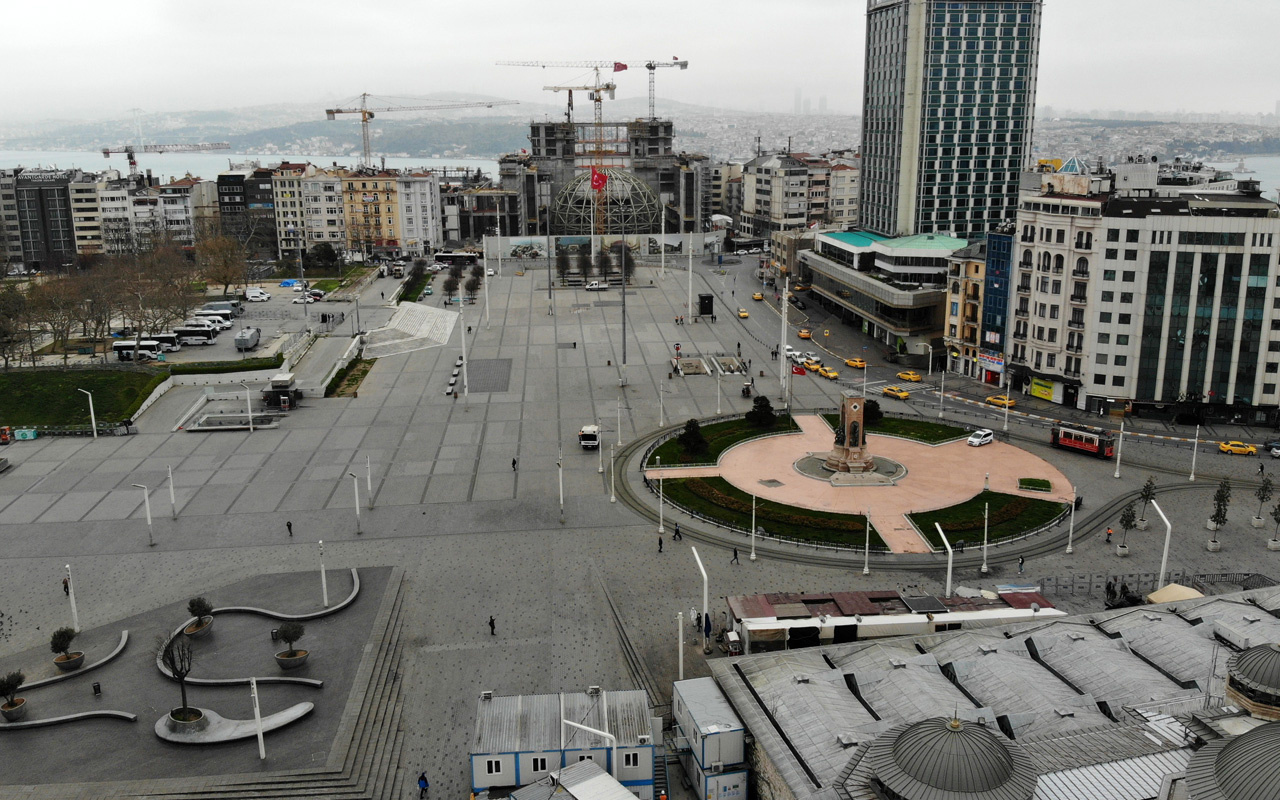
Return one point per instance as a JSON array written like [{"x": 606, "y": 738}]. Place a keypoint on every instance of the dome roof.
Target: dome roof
[
  {"x": 1257, "y": 668},
  {"x": 630, "y": 205},
  {"x": 939, "y": 756},
  {"x": 1242, "y": 768}
]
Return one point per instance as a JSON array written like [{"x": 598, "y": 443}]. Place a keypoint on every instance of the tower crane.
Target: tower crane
[
  {"x": 617, "y": 66},
  {"x": 131, "y": 151},
  {"x": 366, "y": 113}
]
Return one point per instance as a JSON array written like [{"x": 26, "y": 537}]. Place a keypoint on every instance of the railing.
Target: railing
[
  {"x": 1074, "y": 348},
  {"x": 1080, "y": 273},
  {"x": 1020, "y": 335},
  {"x": 1024, "y": 287},
  {"x": 1079, "y": 298},
  {"x": 1071, "y": 373},
  {"x": 1077, "y": 324},
  {"x": 1022, "y": 312}
]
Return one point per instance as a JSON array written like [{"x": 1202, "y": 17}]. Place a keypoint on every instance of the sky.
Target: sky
[{"x": 81, "y": 59}]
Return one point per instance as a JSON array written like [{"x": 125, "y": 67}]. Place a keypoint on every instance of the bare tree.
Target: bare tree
[
  {"x": 176, "y": 656},
  {"x": 13, "y": 331},
  {"x": 53, "y": 303},
  {"x": 584, "y": 263},
  {"x": 221, "y": 260},
  {"x": 472, "y": 286}
]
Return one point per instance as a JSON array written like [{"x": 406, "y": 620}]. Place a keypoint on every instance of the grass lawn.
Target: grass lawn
[
  {"x": 326, "y": 285},
  {"x": 716, "y": 498},
  {"x": 1010, "y": 515},
  {"x": 346, "y": 382},
  {"x": 720, "y": 436},
  {"x": 414, "y": 287},
  {"x": 1034, "y": 484},
  {"x": 919, "y": 430},
  {"x": 49, "y": 396}
]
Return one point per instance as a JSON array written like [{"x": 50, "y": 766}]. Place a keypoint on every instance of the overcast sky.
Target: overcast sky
[{"x": 87, "y": 58}]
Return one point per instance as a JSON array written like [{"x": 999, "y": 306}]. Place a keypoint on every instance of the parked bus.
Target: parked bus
[
  {"x": 460, "y": 259},
  {"x": 168, "y": 341},
  {"x": 1083, "y": 439},
  {"x": 147, "y": 350},
  {"x": 196, "y": 334}
]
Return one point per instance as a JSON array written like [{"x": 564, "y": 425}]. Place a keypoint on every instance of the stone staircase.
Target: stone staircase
[
  {"x": 414, "y": 327},
  {"x": 364, "y": 761}
]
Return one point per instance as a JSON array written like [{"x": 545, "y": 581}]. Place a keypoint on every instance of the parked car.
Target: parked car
[
  {"x": 980, "y": 437},
  {"x": 856, "y": 363},
  {"x": 828, "y": 373},
  {"x": 1237, "y": 449},
  {"x": 255, "y": 295},
  {"x": 306, "y": 298},
  {"x": 316, "y": 293}
]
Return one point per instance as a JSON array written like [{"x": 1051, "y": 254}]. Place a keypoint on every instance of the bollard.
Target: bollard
[
  {"x": 97, "y": 689},
  {"x": 275, "y": 634}
]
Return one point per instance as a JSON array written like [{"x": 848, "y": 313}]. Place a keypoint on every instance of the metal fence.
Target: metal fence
[{"x": 1087, "y": 584}]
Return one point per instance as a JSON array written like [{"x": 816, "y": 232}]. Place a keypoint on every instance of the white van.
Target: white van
[
  {"x": 256, "y": 295},
  {"x": 596, "y": 286},
  {"x": 222, "y": 319}
]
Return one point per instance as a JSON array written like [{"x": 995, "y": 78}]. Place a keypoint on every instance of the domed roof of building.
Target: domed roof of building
[
  {"x": 1257, "y": 668},
  {"x": 1242, "y": 768},
  {"x": 630, "y": 205},
  {"x": 937, "y": 758}
]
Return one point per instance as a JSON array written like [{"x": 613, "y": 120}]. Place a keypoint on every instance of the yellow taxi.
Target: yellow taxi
[
  {"x": 1001, "y": 401},
  {"x": 828, "y": 373},
  {"x": 812, "y": 364},
  {"x": 1238, "y": 448},
  {"x": 742, "y": 313},
  {"x": 805, "y": 333},
  {"x": 757, "y": 296},
  {"x": 895, "y": 391},
  {"x": 909, "y": 375},
  {"x": 801, "y": 287},
  {"x": 856, "y": 363}
]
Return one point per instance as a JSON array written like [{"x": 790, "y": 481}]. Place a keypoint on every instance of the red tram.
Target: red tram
[{"x": 1083, "y": 439}]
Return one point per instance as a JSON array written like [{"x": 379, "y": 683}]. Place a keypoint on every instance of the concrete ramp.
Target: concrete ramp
[{"x": 413, "y": 327}]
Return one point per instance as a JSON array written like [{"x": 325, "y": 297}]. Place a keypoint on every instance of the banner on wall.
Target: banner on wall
[
  {"x": 991, "y": 362},
  {"x": 1042, "y": 389}
]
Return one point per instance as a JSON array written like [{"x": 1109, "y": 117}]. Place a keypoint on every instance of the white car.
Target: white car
[
  {"x": 491, "y": 272},
  {"x": 256, "y": 296},
  {"x": 980, "y": 437},
  {"x": 306, "y": 298},
  {"x": 1275, "y": 452}
]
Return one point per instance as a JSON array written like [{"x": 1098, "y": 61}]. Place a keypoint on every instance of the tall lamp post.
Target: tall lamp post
[
  {"x": 355, "y": 486},
  {"x": 248, "y": 403},
  {"x": 923, "y": 344},
  {"x": 706, "y": 621},
  {"x": 942, "y": 383},
  {"x": 1119, "y": 449},
  {"x": 1168, "y": 533},
  {"x": 146, "y": 500},
  {"x": 661, "y": 529},
  {"x": 1195, "y": 450},
  {"x": 1071, "y": 529},
  {"x": 71, "y": 595},
  {"x": 93, "y": 418}
]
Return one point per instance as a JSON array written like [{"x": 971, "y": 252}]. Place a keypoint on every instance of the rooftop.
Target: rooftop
[
  {"x": 532, "y": 723},
  {"x": 925, "y": 241},
  {"x": 855, "y": 238}
]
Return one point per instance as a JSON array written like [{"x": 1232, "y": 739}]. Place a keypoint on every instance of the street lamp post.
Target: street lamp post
[
  {"x": 1004, "y": 376},
  {"x": 355, "y": 487},
  {"x": 146, "y": 500},
  {"x": 661, "y": 417},
  {"x": 660, "y": 528},
  {"x": 368, "y": 478},
  {"x": 248, "y": 404},
  {"x": 71, "y": 595},
  {"x": 718, "y": 392},
  {"x": 1168, "y": 533},
  {"x": 753, "y": 527},
  {"x": 599, "y": 448},
  {"x": 560, "y": 479},
  {"x": 706, "y": 621},
  {"x": 1119, "y": 449},
  {"x": 619, "y": 422},
  {"x": 984, "y": 538},
  {"x": 613, "y": 495},
  {"x": 173, "y": 500},
  {"x": 866, "y": 546},
  {"x": 1195, "y": 450},
  {"x": 93, "y": 418},
  {"x": 1071, "y": 528},
  {"x": 923, "y": 344},
  {"x": 324, "y": 581}
]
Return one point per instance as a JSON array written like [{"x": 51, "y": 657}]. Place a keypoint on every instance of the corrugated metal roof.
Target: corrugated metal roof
[
  {"x": 531, "y": 723},
  {"x": 587, "y": 780},
  {"x": 1101, "y": 666},
  {"x": 1131, "y": 779},
  {"x": 708, "y": 707},
  {"x": 629, "y": 715}
]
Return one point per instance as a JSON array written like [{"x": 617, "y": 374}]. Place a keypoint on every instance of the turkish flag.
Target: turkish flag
[
  {"x": 798, "y": 371},
  {"x": 598, "y": 179},
  {"x": 618, "y": 66}
]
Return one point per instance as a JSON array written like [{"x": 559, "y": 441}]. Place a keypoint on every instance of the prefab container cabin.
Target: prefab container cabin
[
  {"x": 710, "y": 740},
  {"x": 522, "y": 739}
]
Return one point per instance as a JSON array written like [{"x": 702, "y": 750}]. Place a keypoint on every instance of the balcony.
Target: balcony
[
  {"x": 1071, "y": 373},
  {"x": 1058, "y": 270},
  {"x": 1074, "y": 348},
  {"x": 1020, "y": 335},
  {"x": 1022, "y": 312},
  {"x": 973, "y": 298},
  {"x": 1075, "y": 324},
  {"x": 1079, "y": 273},
  {"x": 1024, "y": 287},
  {"x": 1079, "y": 298},
  {"x": 970, "y": 340}
]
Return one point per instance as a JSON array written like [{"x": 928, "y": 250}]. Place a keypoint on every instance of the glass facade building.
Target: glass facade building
[{"x": 948, "y": 105}]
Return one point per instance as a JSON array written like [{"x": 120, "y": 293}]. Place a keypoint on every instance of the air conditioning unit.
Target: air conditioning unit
[
  {"x": 645, "y": 738},
  {"x": 593, "y": 690},
  {"x": 486, "y": 695},
  {"x": 717, "y": 767}
]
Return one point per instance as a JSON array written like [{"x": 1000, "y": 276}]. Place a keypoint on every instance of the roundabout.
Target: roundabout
[{"x": 786, "y": 469}]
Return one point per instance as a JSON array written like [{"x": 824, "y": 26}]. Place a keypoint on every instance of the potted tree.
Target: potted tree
[
  {"x": 202, "y": 610},
  {"x": 292, "y": 658},
  {"x": 14, "y": 708},
  {"x": 1274, "y": 542},
  {"x": 1128, "y": 521},
  {"x": 1221, "y": 501},
  {"x": 1147, "y": 494},
  {"x": 177, "y": 657},
  {"x": 1263, "y": 494},
  {"x": 60, "y": 643}
]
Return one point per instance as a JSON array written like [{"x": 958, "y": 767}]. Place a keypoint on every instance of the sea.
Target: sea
[
  {"x": 1266, "y": 170},
  {"x": 208, "y": 165}
]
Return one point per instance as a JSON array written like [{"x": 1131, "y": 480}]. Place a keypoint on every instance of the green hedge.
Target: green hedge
[
  {"x": 218, "y": 367},
  {"x": 720, "y": 436},
  {"x": 1034, "y": 484},
  {"x": 50, "y": 397},
  {"x": 1009, "y": 515},
  {"x": 919, "y": 430},
  {"x": 718, "y": 499}
]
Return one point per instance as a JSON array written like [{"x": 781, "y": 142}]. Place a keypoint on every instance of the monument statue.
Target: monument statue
[{"x": 850, "y": 451}]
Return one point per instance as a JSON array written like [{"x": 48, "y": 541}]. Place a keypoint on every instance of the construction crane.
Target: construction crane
[
  {"x": 617, "y": 66},
  {"x": 367, "y": 114},
  {"x": 131, "y": 151}
]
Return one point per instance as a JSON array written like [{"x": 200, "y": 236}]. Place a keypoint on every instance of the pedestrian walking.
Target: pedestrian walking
[
  {"x": 659, "y": 544},
  {"x": 423, "y": 786},
  {"x": 1109, "y": 532},
  {"x": 384, "y": 295},
  {"x": 66, "y": 587},
  {"x": 748, "y": 363},
  {"x": 1021, "y": 562},
  {"x": 289, "y": 525},
  {"x": 699, "y": 622},
  {"x": 675, "y": 537},
  {"x": 1261, "y": 469},
  {"x": 514, "y": 463},
  {"x": 493, "y": 626},
  {"x": 735, "y": 557}
]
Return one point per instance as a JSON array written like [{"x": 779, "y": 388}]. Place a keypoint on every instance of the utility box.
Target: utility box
[{"x": 706, "y": 305}]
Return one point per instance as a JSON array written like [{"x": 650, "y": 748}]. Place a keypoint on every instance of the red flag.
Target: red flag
[
  {"x": 618, "y": 66},
  {"x": 797, "y": 370},
  {"x": 598, "y": 179}
]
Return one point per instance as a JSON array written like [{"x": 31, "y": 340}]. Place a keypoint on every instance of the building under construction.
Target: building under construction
[{"x": 551, "y": 182}]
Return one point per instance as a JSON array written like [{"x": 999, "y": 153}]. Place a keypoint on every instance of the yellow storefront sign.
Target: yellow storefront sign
[{"x": 1041, "y": 389}]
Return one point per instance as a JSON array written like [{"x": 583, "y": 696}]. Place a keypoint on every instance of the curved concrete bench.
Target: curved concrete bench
[
  {"x": 221, "y": 729},
  {"x": 67, "y": 718},
  {"x": 263, "y": 612},
  {"x": 66, "y": 676}
]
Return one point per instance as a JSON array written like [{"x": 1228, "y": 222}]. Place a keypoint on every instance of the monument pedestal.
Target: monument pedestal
[{"x": 850, "y": 451}]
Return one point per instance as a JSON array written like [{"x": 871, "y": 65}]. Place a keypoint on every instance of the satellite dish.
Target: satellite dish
[{"x": 1035, "y": 607}]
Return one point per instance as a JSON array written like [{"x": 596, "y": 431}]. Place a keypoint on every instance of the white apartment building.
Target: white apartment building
[
  {"x": 419, "y": 200},
  {"x": 86, "y": 214},
  {"x": 842, "y": 208},
  {"x": 116, "y": 213},
  {"x": 286, "y": 193},
  {"x": 177, "y": 209},
  {"x": 775, "y": 195},
  {"x": 322, "y": 212}
]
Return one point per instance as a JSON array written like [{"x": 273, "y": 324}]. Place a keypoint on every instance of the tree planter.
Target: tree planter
[
  {"x": 287, "y": 662},
  {"x": 186, "y": 726},
  {"x": 70, "y": 661},
  {"x": 1211, "y": 525},
  {"x": 1122, "y": 550},
  {"x": 1273, "y": 544},
  {"x": 1257, "y": 522},
  {"x": 200, "y": 628},
  {"x": 1213, "y": 545},
  {"x": 15, "y": 712},
  {"x": 1142, "y": 525}
]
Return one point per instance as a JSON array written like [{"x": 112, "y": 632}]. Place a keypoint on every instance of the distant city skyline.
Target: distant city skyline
[{"x": 1096, "y": 54}]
